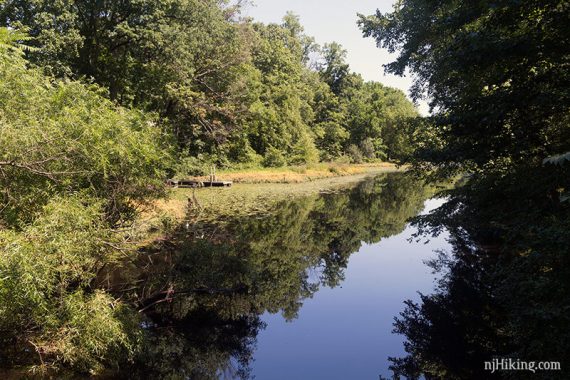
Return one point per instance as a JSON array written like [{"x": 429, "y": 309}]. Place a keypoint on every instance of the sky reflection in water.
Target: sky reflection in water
[{"x": 346, "y": 332}]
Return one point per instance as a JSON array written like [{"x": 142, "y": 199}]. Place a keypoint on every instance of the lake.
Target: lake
[{"x": 308, "y": 290}]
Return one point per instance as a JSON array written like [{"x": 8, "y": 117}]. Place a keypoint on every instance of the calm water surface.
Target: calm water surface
[
  {"x": 306, "y": 291},
  {"x": 346, "y": 332}
]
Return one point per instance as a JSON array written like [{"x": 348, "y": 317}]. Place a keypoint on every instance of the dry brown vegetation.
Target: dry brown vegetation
[{"x": 300, "y": 174}]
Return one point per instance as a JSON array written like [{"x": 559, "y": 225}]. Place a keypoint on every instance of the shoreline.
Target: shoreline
[
  {"x": 251, "y": 194},
  {"x": 300, "y": 174}
]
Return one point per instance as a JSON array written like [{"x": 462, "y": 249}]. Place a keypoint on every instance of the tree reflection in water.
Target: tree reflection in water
[
  {"x": 504, "y": 290},
  {"x": 203, "y": 291}
]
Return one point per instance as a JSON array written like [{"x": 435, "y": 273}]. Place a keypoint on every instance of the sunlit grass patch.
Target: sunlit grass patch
[{"x": 299, "y": 174}]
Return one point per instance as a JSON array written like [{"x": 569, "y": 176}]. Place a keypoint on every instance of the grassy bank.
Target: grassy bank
[
  {"x": 300, "y": 174},
  {"x": 254, "y": 192}
]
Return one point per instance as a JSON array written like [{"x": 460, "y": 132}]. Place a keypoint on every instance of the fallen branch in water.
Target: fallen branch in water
[{"x": 169, "y": 295}]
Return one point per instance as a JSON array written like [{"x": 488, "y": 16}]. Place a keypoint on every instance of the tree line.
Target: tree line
[{"x": 225, "y": 89}]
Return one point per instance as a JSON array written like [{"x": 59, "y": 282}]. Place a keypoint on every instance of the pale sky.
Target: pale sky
[{"x": 335, "y": 20}]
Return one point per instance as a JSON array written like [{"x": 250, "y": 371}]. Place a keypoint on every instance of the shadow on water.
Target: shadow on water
[
  {"x": 503, "y": 297},
  {"x": 203, "y": 292}
]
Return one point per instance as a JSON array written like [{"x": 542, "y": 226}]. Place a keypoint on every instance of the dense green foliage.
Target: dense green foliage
[
  {"x": 48, "y": 308},
  {"x": 498, "y": 80},
  {"x": 62, "y": 138},
  {"x": 497, "y": 75},
  {"x": 72, "y": 165},
  {"x": 230, "y": 90},
  {"x": 96, "y": 99}
]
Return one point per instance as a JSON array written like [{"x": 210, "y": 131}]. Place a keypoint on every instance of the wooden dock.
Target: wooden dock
[{"x": 190, "y": 183}]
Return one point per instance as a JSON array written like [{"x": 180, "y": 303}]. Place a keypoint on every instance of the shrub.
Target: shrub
[
  {"x": 368, "y": 150},
  {"x": 63, "y": 137},
  {"x": 274, "y": 158},
  {"x": 355, "y": 154},
  {"x": 191, "y": 166},
  {"x": 304, "y": 151},
  {"x": 46, "y": 300}
]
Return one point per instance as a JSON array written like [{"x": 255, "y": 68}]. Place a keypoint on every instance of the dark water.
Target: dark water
[{"x": 307, "y": 291}]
